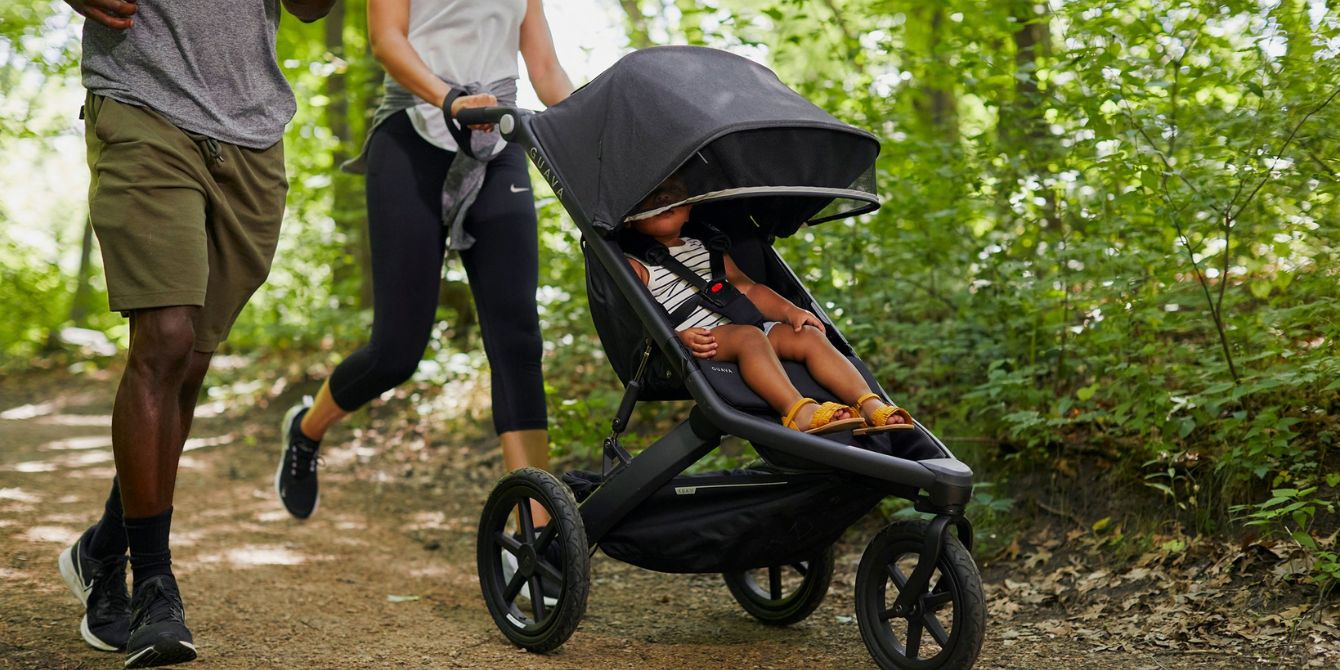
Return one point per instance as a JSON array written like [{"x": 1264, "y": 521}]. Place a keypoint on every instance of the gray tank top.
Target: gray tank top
[
  {"x": 462, "y": 42},
  {"x": 206, "y": 66}
]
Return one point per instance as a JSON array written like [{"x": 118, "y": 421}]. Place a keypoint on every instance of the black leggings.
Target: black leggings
[{"x": 404, "y": 188}]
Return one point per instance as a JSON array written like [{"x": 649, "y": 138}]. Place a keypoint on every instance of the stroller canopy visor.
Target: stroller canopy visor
[{"x": 744, "y": 144}]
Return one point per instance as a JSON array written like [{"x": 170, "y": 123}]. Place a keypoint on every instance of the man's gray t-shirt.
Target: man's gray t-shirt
[{"x": 207, "y": 66}]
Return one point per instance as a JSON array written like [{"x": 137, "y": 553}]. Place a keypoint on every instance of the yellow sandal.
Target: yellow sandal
[
  {"x": 881, "y": 423},
  {"x": 822, "y": 422}
]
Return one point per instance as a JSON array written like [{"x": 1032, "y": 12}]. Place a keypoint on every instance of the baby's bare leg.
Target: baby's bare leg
[
  {"x": 825, "y": 363},
  {"x": 748, "y": 347}
]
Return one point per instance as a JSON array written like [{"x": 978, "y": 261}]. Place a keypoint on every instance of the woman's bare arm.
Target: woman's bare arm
[
  {"x": 388, "y": 31},
  {"x": 537, "y": 48}
]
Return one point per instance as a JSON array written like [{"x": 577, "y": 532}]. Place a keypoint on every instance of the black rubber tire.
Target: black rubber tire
[
  {"x": 789, "y": 608},
  {"x": 538, "y": 628},
  {"x": 956, "y": 574}
]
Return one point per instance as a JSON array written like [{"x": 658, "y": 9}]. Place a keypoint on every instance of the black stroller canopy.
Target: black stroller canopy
[{"x": 746, "y": 146}]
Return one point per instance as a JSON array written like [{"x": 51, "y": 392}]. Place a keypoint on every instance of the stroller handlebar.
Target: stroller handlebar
[{"x": 504, "y": 117}]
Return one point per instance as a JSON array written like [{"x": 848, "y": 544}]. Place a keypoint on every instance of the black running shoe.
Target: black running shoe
[
  {"x": 158, "y": 633},
  {"x": 101, "y": 587},
  {"x": 295, "y": 479}
]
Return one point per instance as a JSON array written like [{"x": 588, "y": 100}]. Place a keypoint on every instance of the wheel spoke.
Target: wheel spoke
[
  {"x": 802, "y": 567},
  {"x": 513, "y": 587},
  {"x": 775, "y": 582},
  {"x": 549, "y": 571},
  {"x": 913, "y": 637},
  {"x": 899, "y": 579},
  {"x": 537, "y": 598},
  {"x": 508, "y": 542},
  {"x": 887, "y": 614},
  {"x": 546, "y": 536},
  {"x": 937, "y": 631},
  {"x": 527, "y": 522},
  {"x": 934, "y": 601}
]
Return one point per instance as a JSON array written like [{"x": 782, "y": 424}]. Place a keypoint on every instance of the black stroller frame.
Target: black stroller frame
[{"x": 558, "y": 552}]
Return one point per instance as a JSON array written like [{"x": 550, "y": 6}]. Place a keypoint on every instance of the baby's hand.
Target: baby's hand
[
  {"x": 799, "y": 318},
  {"x": 700, "y": 342}
]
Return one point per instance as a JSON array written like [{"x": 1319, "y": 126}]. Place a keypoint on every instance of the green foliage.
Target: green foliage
[{"x": 1292, "y": 513}]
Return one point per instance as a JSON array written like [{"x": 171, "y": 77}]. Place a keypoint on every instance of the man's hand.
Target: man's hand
[
  {"x": 799, "y": 318},
  {"x": 111, "y": 13},
  {"x": 700, "y": 342},
  {"x": 308, "y": 11}
]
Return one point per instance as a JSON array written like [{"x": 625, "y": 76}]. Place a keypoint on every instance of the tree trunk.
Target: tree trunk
[
  {"x": 347, "y": 208},
  {"x": 1021, "y": 121},
  {"x": 78, "y": 314},
  {"x": 79, "y": 305},
  {"x": 635, "y": 24},
  {"x": 934, "y": 100}
]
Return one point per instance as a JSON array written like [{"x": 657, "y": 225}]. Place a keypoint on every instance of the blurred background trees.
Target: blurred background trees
[{"x": 1110, "y": 230}]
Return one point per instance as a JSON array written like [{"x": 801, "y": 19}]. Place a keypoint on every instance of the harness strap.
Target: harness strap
[{"x": 716, "y": 295}]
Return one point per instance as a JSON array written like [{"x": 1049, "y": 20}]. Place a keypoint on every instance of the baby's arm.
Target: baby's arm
[
  {"x": 773, "y": 306},
  {"x": 641, "y": 271},
  {"x": 700, "y": 341}
]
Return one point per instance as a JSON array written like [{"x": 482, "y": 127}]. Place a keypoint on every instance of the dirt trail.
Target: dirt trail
[{"x": 265, "y": 591}]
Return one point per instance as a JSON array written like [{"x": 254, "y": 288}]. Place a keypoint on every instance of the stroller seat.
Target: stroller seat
[
  {"x": 623, "y": 335},
  {"x": 625, "y": 338}
]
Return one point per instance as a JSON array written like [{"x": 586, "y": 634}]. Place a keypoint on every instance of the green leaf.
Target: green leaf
[{"x": 1304, "y": 539}]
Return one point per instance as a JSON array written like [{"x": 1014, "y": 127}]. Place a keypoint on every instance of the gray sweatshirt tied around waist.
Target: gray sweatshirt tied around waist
[{"x": 465, "y": 176}]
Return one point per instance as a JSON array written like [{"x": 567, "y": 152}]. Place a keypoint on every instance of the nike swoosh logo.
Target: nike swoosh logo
[{"x": 517, "y": 190}]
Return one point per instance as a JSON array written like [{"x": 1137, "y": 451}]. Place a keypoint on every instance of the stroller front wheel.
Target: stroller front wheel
[
  {"x": 534, "y": 580},
  {"x": 781, "y": 595},
  {"x": 943, "y": 626}
]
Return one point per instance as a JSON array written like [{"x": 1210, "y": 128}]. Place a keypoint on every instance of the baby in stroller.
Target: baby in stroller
[{"x": 722, "y": 315}]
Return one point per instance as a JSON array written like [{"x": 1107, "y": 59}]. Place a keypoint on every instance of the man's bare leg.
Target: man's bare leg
[
  {"x": 154, "y": 406},
  {"x": 151, "y": 417}
]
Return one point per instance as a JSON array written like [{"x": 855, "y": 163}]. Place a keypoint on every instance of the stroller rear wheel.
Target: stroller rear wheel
[
  {"x": 781, "y": 595},
  {"x": 944, "y": 626},
  {"x": 535, "y": 580}
]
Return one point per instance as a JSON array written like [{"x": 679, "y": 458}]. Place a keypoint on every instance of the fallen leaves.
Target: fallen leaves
[{"x": 1204, "y": 597}]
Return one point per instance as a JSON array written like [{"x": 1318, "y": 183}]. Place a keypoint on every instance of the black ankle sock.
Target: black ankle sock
[
  {"x": 148, "y": 539},
  {"x": 107, "y": 537}
]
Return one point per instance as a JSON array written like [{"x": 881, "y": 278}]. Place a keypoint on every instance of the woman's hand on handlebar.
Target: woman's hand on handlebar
[{"x": 476, "y": 100}]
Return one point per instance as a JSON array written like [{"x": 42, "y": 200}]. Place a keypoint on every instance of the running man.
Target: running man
[{"x": 184, "y": 120}]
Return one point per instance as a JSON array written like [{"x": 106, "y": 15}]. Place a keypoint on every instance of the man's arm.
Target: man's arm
[
  {"x": 308, "y": 11},
  {"x": 111, "y": 13}
]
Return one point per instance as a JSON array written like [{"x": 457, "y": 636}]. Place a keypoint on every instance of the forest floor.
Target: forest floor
[{"x": 383, "y": 574}]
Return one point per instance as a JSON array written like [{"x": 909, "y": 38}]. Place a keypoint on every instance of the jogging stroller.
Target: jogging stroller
[{"x": 759, "y": 162}]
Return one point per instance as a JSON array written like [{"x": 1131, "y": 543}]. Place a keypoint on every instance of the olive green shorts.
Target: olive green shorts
[{"x": 182, "y": 219}]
